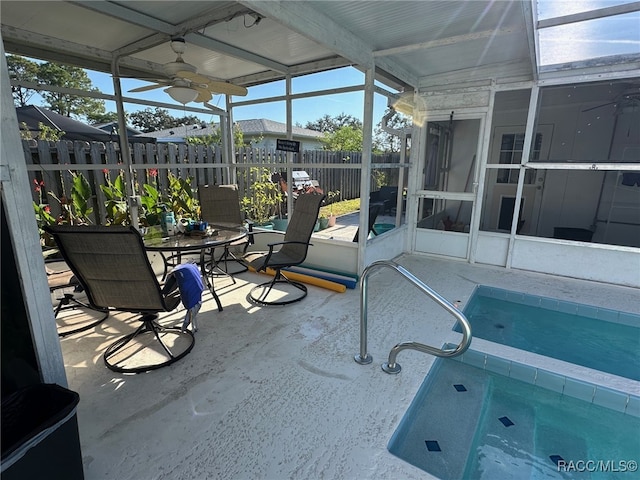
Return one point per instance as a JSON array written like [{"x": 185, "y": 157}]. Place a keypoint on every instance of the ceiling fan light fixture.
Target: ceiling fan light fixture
[{"x": 182, "y": 95}]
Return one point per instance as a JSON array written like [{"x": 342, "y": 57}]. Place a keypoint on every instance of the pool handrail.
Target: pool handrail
[{"x": 391, "y": 366}]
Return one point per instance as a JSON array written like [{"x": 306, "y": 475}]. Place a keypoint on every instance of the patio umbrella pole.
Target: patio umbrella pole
[{"x": 132, "y": 198}]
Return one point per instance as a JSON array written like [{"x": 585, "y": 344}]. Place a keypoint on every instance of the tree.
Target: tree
[
  {"x": 151, "y": 120},
  {"x": 386, "y": 142},
  {"x": 106, "y": 117},
  {"x": 24, "y": 70},
  {"x": 345, "y": 139},
  {"x": 328, "y": 124},
  {"x": 64, "y": 103}
]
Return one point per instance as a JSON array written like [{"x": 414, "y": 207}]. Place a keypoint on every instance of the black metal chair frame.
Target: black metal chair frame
[
  {"x": 305, "y": 214},
  {"x": 69, "y": 301},
  {"x": 85, "y": 261},
  {"x": 210, "y": 203},
  {"x": 374, "y": 210}
]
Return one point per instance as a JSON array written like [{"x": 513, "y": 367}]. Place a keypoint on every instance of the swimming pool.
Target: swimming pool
[
  {"x": 597, "y": 338},
  {"x": 467, "y": 422}
]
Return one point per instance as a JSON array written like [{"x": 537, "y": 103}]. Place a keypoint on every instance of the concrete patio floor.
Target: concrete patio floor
[{"x": 274, "y": 392}]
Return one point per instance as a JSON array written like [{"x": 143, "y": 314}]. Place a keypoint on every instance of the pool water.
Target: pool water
[
  {"x": 596, "y": 338},
  {"x": 508, "y": 428}
]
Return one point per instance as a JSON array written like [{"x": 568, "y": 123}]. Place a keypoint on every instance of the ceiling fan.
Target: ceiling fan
[{"x": 184, "y": 83}]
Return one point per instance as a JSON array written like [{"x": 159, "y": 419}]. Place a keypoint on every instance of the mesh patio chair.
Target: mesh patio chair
[
  {"x": 293, "y": 251},
  {"x": 113, "y": 268},
  {"x": 72, "y": 313},
  {"x": 220, "y": 205}
]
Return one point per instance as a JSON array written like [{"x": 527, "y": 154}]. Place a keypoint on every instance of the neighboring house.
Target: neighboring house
[
  {"x": 33, "y": 116},
  {"x": 261, "y": 133}
]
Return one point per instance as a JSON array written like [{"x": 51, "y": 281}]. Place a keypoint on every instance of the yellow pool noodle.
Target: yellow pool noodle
[{"x": 308, "y": 279}]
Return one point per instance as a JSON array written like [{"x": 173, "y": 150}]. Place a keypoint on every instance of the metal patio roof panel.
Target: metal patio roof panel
[
  {"x": 269, "y": 39},
  {"x": 430, "y": 38},
  {"x": 403, "y": 23},
  {"x": 505, "y": 55},
  {"x": 71, "y": 23}
]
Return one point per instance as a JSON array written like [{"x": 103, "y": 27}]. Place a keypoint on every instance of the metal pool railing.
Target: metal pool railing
[{"x": 391, "y": 366}]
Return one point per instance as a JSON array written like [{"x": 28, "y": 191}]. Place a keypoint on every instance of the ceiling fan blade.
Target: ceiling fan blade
[
  {"x": 226, "y": 88},
  {"x": 204, "y": 95},
  {"x": 193, "y": 76},
  {"x": 214, "y": 86},
  {"x": 149, "y": 87}
]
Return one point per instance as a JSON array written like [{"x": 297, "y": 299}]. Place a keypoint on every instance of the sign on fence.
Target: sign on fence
[{"x": 287, "y": 145}]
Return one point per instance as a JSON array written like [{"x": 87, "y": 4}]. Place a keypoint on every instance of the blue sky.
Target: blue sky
[{"x": 304, "y": 110}]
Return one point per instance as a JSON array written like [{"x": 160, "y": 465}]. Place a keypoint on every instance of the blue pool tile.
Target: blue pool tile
[
  {"x": 498, "y": 365},
  {"x": 611, "y": 399},
  {"x": 521, "y": 372},
  {"x": 515, "y": 297},
  {"x": 607, "y": 315},
  {"x": 588, "y": 311},
  {"x": 629, "y": 319},
  {"x": 433, "y": 445},
  {"x": 531, "y": 300},
  {"x": 567, "y": 307},
  {"x": 492, "y": 292},
  {"x": 476, "y": 359},
  {"x": 633, "y": 406},
  {"x": 550, "y": 381},
  {"x": 549, "y": 303},
  {"x": 579, "y": 389}
]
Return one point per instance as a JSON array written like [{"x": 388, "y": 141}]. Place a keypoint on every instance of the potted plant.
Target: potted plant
[
  {"x": 280, "y": 221},
  {"x": 332, "y": 196},
  {"x": 262, "y": 198}
]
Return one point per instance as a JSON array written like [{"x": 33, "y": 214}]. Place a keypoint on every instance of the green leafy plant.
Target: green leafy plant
[
  {"x": 76, "y": 210},
  {"x": 380, "y": 178},
  {"x": 263, "y": 198},
  {"x": 117, "y": 210},
  {"x": 181, "y": 198},
  {"x": 151, "y": 201},
  {"x": 152, "y": 206},
  {"x": 332, "y": 197},
  {"x": 45, "y": 133},
  {"x": 43, "y": 214}
]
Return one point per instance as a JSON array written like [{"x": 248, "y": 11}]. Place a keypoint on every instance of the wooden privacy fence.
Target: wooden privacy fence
[{"x": 50, "y": 165}]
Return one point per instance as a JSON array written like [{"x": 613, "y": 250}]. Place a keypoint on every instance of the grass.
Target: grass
[{"x": 341, "y": 208}]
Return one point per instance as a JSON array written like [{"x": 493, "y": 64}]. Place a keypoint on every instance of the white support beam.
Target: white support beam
[
  {"x": 105, "y": 96},
  {"x": 129, "y": 15},
  {"x": 313, "y": 24},
  {"x": 590, "y": 15},
  {"x": 218, "y": 46},
  {"x": 43, "y": 47},
  {"x": 23, "y": 231},
  {"x": 532, "y": 39}
]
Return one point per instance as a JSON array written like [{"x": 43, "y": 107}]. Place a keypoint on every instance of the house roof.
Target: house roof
[
  {"x": 261, "y": 126},
  {"x": 109, "y": 126},
  {"x": 33, "y": 116}
]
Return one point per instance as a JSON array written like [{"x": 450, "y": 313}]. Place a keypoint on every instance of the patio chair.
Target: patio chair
[
  {"x": 374, "y": 210},
  {"x": 220, "y": 205},
  {"x": 113, "y": 268},
  {"x": 65, "y": 289},
  {"x": 293, "y": 251}
]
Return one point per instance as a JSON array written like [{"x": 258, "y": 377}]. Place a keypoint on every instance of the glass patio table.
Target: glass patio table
[{"x": 196, "y": 242}]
